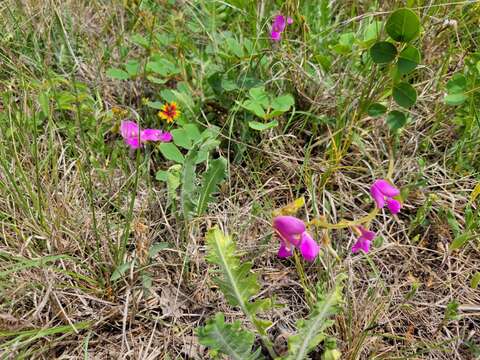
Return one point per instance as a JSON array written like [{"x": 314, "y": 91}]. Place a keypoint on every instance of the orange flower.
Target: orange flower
[{"x": 169, "y": 112}]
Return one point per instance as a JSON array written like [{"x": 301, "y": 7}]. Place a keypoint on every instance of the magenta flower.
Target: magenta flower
[
  {"x": 130, "y": 133},
  {"x": 278, "y": 26},
  {"x": 292, "y": 233},
  {"x": 363, "y": 242},
  {"x": 382, "y": 191}
]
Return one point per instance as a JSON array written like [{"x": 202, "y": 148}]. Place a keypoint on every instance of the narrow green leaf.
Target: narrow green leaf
[
  {"x": 475, "y": 280},
  {"x": 404, "y": 94},
  {"x": 459, "y": 241},
  {"x": 156, "y": 248},
  {"x": 259, "y": 126},
  {"x": 121, "y": 270},
  {"x": 383, "y": 52},
  {"x": 403, "y": 25},
  {"x": 188, "y": 196},
  {"x": 215, "y": 173}
]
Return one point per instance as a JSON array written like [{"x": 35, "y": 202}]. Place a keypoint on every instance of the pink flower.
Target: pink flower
[
  {"x": 292, "y": 233},
  {"x": 363, "y": 242},
  {"x": 278, "y": 26},
  {"x": 382, "y": 191},
  {"x": 130, "y": 133}
]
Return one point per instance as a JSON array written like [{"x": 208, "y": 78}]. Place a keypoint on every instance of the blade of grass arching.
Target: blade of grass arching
[
  {"x": 25, "y": 337},
  {"x": 22, "y": 264}
]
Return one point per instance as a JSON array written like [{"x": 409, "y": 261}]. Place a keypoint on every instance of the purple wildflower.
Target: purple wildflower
[
  {"x": 382, "y": 191},
  {"x": 363, "y": 242},
  {"x": 278, "y": 26},
  {"x": 292, "y": 233},
  {"x": 134, "y": 137}
]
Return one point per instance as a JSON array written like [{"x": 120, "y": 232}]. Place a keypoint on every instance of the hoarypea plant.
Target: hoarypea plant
[{"x": 240, "y": 287}]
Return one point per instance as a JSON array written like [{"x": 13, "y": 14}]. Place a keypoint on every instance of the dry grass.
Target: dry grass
[{"x": 53, "y": 274}]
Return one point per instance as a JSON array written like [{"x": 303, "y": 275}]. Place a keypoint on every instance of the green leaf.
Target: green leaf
[
  {"x": 372, "y": 31},
  {"x": 408, "y": 60},
  {"x": 227, "y": 339},
  {"x": 455, "y": 99},
  {"x": 171, "y": 152},
  {"x": 186, "y": 136},
  {"x": 173, "y": 181},
  {"x": 475, "y": 280},
  {"x": 121, "y": 270},
  {"x": 404, "y": 94},
  {"x": 457, "y": 84},
  {"x": 396, "y": 120},
  {"x": 156, "y": 80},
  {"x": 133, "y": 67},
  {"x": 260, "y": 96},
  {"x": 155, "y": 104},
  {"x": 189, "y": 188},
  {"x": 254, "y": 107},
  {"x": 235, "y": 47},
  {"x": 283, "y": 103},
  {"x": 117, "y": 74},
  {"x": 156, "y": 248},
  {"x": 383, "y": 52},
  {"x": 140, "y": 40},
  {"x": 459, "y": 241},
  {"x": 403, "y": 25},
  {"x": 259, "y": 126},
  {"x": 161, "y": 175},
  {"x": 311, "y": 331},
  {"x": 235, "y": 279},
  {"x": 44, "y": 101},
  {"x": 215, "y": 173},
  {"x": 376, "y": 109},
  {"x": 162, "y": 67}
]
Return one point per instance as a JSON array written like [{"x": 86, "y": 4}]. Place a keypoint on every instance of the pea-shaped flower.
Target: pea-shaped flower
[
  {"x": 382, "y": 191},
  {"x": 278, "y": 26},
  {"x": 292, "y": 233},
  {"x": 134, "y": 137},
  {"x": 363, "y": 242}
]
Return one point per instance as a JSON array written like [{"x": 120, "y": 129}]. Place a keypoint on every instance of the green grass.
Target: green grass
[{"x": 98, "y": 258}]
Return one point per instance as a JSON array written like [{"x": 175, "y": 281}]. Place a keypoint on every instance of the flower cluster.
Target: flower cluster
[
  {"x": 134, "y": 137},
  {"x": 279, "y": 24},
  {"x": 292, "y": 231}
]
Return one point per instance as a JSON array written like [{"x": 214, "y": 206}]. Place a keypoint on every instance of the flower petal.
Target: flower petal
[
  {"x": 288, "y": 224},
  {"x": 279, "y": 23},
  {"x": 377, "y": 196},
  {"x": 386, "y": 188},
  {"x": 155, "y": 135},
  {"x": 129, "y": 129},
  {"x": 308, "y": 247},
  {"x": 275, "y": 35},
  {"x": 289, "y": 20},
  {"x": 361, "y": 244},
  {"x": 366, "y": 234},
  {"x": 283, "y": 252},
  {"x": 133, "y": 142},
  {"x": 394, "y": 206}
]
